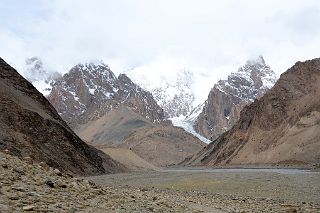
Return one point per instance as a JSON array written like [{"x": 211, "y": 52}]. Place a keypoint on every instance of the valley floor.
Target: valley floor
[
  {"x": 30, "y": 187},
  {"x": 226, "y": 190}
]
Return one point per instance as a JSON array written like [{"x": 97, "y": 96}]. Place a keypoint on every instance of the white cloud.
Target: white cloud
[{"x": 204, "y": 34}]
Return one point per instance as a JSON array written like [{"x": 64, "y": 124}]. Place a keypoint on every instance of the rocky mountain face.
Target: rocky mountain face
[
  {"x": 90, "y": 90},
  {"x": 280, "y": 127},
  {"x": 31, "y": 127},
  {"x": 228, "y": 97},
  {"x": 175, "y": 96}
]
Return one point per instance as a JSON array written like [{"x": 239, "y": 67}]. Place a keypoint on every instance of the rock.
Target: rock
[
  {"x": 20, "y": 189},
  {"x": 33, "y": 194},
  {"x": 19, "y": 170},
  {"x": 57, "y": 172},
  {"x": 61, "y": 184},
  {"x": 49, "y": 183},
  {"x": 44, "y": 165},
  {"x": 29, "y": 160},
  {"x": 28, "y": 208},
  {"x": 13, "y": 196}
]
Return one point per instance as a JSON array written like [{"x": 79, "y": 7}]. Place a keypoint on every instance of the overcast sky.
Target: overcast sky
[{"x": 163, "y": 35}]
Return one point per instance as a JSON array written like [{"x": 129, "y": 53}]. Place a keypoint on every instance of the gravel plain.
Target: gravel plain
[{"x": 26, "y": 186}]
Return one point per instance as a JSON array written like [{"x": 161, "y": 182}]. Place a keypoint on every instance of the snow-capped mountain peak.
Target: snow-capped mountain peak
[
  {"x": 227, "y": 98},
  {"x": 250, "y": 81},
  {"x": 90, "y": 90}
]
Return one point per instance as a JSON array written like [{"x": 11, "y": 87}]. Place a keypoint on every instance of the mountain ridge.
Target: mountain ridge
[{"x": 280, "y": 127}]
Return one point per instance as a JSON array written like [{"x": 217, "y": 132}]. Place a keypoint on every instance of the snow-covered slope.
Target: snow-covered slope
[
  {"x": 173, "y": 93},
  {"x": 187, "y": 125}
]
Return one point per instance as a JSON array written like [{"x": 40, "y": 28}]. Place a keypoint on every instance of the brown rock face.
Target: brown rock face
[
  {"x": 281, "y": 127},
  {"x": 90, "y": 90},
  {"x": 30, "y": 126},
  {"x": 228, "y": 97}
]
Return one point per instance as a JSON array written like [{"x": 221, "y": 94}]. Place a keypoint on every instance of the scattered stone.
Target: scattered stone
[
  {"x": 33, "y": 194},
  {"x": 28, "y": 208}
]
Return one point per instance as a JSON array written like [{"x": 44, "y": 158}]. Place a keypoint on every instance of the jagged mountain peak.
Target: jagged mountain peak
[
  {"x": 90, "y": 90},
  {"x": 228, "y": 97},
  {"x": 250, "y": 80},
  {"x": 92, "y": 65},
  {"x": 97, "y": 69}
]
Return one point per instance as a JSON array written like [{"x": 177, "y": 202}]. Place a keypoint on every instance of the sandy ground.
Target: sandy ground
[
  {"x": 247, "y": 190},
  {"x": 131, "y": 160}
]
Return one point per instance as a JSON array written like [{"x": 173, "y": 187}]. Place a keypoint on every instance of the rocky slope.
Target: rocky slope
[
  {"x": 228, "y": 97},
  {"x": 280, "y": 127},
  {"x": 90, "y": 90},
  {"x": 31, "y": 127},
  {"x": 163, "y": 145},
  {"x": 159, "y": 144}
]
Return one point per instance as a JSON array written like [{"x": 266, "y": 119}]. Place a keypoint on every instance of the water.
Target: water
[{"x": 246, "y": 170}]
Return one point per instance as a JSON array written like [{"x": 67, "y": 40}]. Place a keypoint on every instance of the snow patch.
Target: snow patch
[
  {"x": 91, "y": 91},
  {"x": 43, "y": 87},
  {"x": 187, "y": 126}
]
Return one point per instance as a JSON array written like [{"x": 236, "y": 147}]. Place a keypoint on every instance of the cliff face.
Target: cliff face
[
  {"x": 228, "y": 97},
  {"x": 90, "y": 90},
  {"x": 30, "y": 126},
  {"x": 280, "y": 127}
]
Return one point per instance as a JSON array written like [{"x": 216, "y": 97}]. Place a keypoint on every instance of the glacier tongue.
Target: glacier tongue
[{"x": 187, "y": 125}]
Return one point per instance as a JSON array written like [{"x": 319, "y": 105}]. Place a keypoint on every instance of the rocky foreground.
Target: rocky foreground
[{"x": 33, "y": 187}]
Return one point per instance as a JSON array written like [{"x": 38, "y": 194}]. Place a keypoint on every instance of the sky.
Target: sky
[{"x": 211, "y": 37}]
